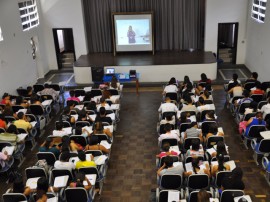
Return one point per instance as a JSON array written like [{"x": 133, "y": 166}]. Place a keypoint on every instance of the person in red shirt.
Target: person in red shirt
[
  {"x": 72, "y": 96},
  {"x": 3, "y": 122},
  {"x": 258, "y": 89},
  {"x": 5, "y": 99}
]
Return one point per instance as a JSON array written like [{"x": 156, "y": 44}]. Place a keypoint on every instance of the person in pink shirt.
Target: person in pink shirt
[
  {"x": 166, "y": 151},
  {"x": 72, "y": 96}
]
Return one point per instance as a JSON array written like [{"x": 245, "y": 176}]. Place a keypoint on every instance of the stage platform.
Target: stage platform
[{"x": 152, "y": 68}]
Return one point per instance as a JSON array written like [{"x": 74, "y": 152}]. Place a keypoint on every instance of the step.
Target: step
[
  {"x": 226, "y": 59},
  {"x": 67, "y": 64},
  {"x": 67, "y": 55},
  {"x": 225, "y": 55},
  {"x": 67, "y": 60},
  {"x": 225, "y": 50}
]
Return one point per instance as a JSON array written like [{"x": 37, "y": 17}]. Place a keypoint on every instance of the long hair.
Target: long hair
[
  {"x": 220, "y": 159},
  {"x": 195, "y": 164}
]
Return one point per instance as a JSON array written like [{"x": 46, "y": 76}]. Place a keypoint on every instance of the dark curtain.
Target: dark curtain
[
  {"x": 68, "y": 40},
  {"x": 178, "y": 24}
]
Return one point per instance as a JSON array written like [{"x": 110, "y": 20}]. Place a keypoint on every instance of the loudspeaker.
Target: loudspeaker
[
  {"x": 97, "y": 74},
  {"x": 132, "y": 74}
]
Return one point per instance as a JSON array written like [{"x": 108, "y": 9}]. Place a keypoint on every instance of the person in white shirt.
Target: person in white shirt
[
  {"x": 59, "y": 130},
  {"x": 167, "y": 106},
  {"x": 203, "y": 106},
  {"x": 169, "y": 134},
  {"x": 103, "y": 103},
  {"x": 64, "y": 163},
  {"x": 266, "y": 108}
]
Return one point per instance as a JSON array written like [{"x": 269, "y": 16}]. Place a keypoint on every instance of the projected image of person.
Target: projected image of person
[{"x": 131, "y": 35}]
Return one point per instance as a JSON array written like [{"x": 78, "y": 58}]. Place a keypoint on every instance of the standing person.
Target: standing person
[{"x": 131, "y": 35}]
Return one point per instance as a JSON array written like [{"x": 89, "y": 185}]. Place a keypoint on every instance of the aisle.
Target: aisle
[{"x": 130, "y": 175}]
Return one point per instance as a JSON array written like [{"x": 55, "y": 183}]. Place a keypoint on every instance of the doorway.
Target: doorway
[
  {"x": 64, "y": 47},
  {"x": 227, "y": 42}
]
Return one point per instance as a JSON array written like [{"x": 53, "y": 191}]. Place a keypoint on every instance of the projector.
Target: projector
[{"x": 132, "y": 74}]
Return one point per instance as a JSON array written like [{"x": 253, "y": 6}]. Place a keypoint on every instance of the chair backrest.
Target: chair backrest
[
  {"x": 208, "y": 102},
  {"x": 66, "y": 124},
  {"x": 33, "y": 172},
  {"x": 14, "y": 197},
  {"x": 46, "y": 97},
  {"x": 164, "y": 114},
  {"x": 242, "y": 108},
  {"x": 171, "y": 141},
  {"x": 236, "y": 98},
  {"x": 79, "y": 92},
  {"x": 230, "y": 86},
  {"x": 204, "y": 112},
  {"x": 94, "y": 152},
  {"x": 162, "y": 130},
  {"x": 113, "y": 91},
  {"x": 226, "y": 158},
  {"x": 171, "y": 181},
  {"x": 90, "y": 170},
  {"x": 109, "y": 102},
  {"x": 213, "y": 140},
  {"x": 22, "y": 92},
  {"x": 48, "y": 156},
  {"x": 102, "y": 137},
  {"x": 22, "y": 130},
  {"x": 257, "y": 97},
  {"x": 198, "y": 181},
  {"x": 38, "y": 87},
  {"x": 206, "y": 125},
  {"x": 267, "y": 116},
  {"x": 248, "y": 116},
  {"x": 61, "y": 172},
  {"x": 79, "y": 139},
  {"x": 228, "y": 195},
  {"x": 172, "y": 95},
  {"x": 90, "y": 112},
  {"x": 188, "y": 142},
  {"x": 36, "y": 110},
  {"x": 249, "y": 85},
  {"x": 261, "y": 103},
  {"x": 31, "y": 117},
  {"x": 2, "y": 130},
  {"x": 73, "y": 102},
  {"x": 96, "y": 92},
  {"x": 55, "y": 87},
  {"x": 254, "y": 131},
  {"x": 264, "y": 146},
  {"x": 193, "y": 196},
  {"x": 265, "y": 85},
  {"x": 81, "y": 124},
  {"x": 183, "y": 127},
  {"x": 189, "y": 158},
  {"x": 9, "y": 119},
  {"x": 73, "y": 194},
  {"x": 163, "y": 195},
  {"x": 220, "y": 176},
  {"x": 161, "y": 161}
]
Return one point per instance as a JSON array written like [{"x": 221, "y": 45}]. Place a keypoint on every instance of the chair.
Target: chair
[
  {"x": 208, "y": 102},
  {"x": 33, "y": 172},
  {"x": 18, "y": 151},
  {"x": 94, "y": 152},
  {"x": 240, "y": 111},
  {"x": 193, "y": 196},
  {"x": 171, "y": 141},
  {"x": 261, "y": 148},
  {"x": 204, "y": 112},
  {"x": 213, "y": 140},
  {"x": 60, "y": 172},
  {"x": 171, "y": 182},
  {"x": 109, "y": 102},
  {"x": 161, "y": 160},
  {"x": 183, "y": 127},
  {"x": 265, "y": 85},
  {"x": 90, "y": 112},
  {"x": 2, "y": 130},
  {"x": 162, "y": 196},
  {"x": 254, "y": 132},
  {"x": 265, "y": 164},
  {"x": 73, "y": 194},
  {"x": 82, "y": 124},
  {"x": 10, "y": 119},
  {"x": 248, "y": 116},
  {"x": 233, "y": 99},
  {"x": 164, "y": 114},
  {"x": 48, "y": 156},
  {"x": 188, "y": 142},
  {"x": 79, "y": 92},
  {"x": 249, "y": 85},
  {"x": 267, "y": 116},
  {"x": 228, "y": 195},
  {"x": 73, "y": 102},
  {"x": 16, "y": 108},
  {"x": 102, "y": 137},
  {"x": 56, "y": 87},
  {"x": 65, "y": 124},
  {"x": 197, "y": 181},
  {"x": 30, "y": 137},
  {"x": 172, "y": 96},
  {"x": 38, "y": 111},
  {"x": 79, "y": 139},
  {"x": 38, "y": 87},
  {"x": 257, "y": 97},
  {"x": 96, "y": 92},
  {"x": 113, "y": 91},
  {"x": 14, "y": 197},
  {"x": 22, "y": 92},
  {"x": 206, "y": 125},
  {"x": 261, "y": 103},
  {"x": 219, "y": 177},
  {"x": 94, "y": 170}
]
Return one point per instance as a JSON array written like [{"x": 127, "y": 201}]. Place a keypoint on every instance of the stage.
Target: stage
[{"x": 152, "y": 68}]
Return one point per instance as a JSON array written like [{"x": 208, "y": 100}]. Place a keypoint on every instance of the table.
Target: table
[{"x": 124, "y": 78}]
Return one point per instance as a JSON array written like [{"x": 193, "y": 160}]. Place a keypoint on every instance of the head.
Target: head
[
  {"x": 203, "y": 77},
  {"x": 81, "y": 156},
  {"x": 246, "y": 93},
  {"x": 42, "y": 186},
  {"x": 168, "y": 117},
  {"x": 88, "y": 96},
  {"x": 259, "y": 116},
  {"x": 6, "y": 96},
  {"x": 106, "y": 94},
  {"x": 193, "y": 124},
  {"x": 19, "y": 100},
  {"x": 235, "y": 77},
  {"x": 98, "y": 126},
  {"x": 183, "y": 117},
  {"x": 206, "y": 94},
  {"x": 166, "y": 146},
  {"x": 167, "y": 99},
  {"x": 186, "y": 79},
  {"x": 46, "y": 85},
  {"x": 189, "y": 100},
  {"x": 195, "y": 144},
  {"x": 201, "y": 101},
  {"x": 93, "y": 140},
  {"x": 221, "y": 148},
  {"x": 213, "y": 128},
  {"x": 20, "y": 115},
  {"x": 80, "y": 177},
  {"x": 203, "y": 196},
  {"x": 18, "y": 185},
  {"x": 102, "y": 111},
  {"x": 102, "y": 100},
  {"x": 12, "y": 129},
  {"x": 130, "y": 28},
  {"x": 72, "y": 93},
  {"x": 172, "y": 81},
  {"x": 34, "y": 98},
  {"x": 64, "y": 157},
  {"x": 220, "y": 159},
  {"x": 59, "y": 126},
  {"x": 168, "y": 161},
  {"x": 254, "y": 75},
  {"x": 91, "y": 106},
  {"x": 237, "y": 173},
  {"x": 211, "y": 114},
  {"x": 82, "y": 114},
  {"x": 167, "y": 127},
  {"x": 70, "y": 104}
]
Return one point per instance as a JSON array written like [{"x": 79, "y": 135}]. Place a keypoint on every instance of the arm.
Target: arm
[
  {"x": 160, "y": 169},
  {"x": 249, "y": 121},
  {"x": 103, "y": 149},
  {"x": 107, "y": 132},
  {"x": 88, "y": 186}
]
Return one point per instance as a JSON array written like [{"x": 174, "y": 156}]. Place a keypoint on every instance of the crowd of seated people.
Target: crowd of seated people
[
  {"x": 194, "y": 145},
  {"x": 81, "y": 140}
]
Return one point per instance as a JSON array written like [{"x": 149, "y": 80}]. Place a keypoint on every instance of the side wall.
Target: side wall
[
  {"x": 258, "y": 45},
  {"x": 62, "y": 14},
  {"x": 222, "y": 11}
]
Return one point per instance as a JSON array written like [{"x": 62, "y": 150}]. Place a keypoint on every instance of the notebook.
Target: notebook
[
  {"x": 61, "y": 181},
  {"x": 32, "y": 182}
]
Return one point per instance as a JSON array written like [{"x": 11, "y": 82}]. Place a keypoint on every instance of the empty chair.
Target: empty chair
[
  {"x": 219, "y": 177},
  {"x": 14, "y": 197},
  {"x": 73, "y": 194},
  {"x": 48, "y": 156},
  {"x": 260, "y": 148},
  {"x": 228, "y": 195},
  {"x": 168, "y": 181},
  {"x": 33, "y": 172},
  {"x": 79, "y": 92},
  {"x": 197, "y": 181}
]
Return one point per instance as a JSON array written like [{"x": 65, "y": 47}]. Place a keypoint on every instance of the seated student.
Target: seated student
[
  {"x": 59, "y": 130},
  {"x": 168, "y": 168},
  {"x": 5, "y": 99},
  {"x": 210, "y": 116},
  {"x": 206, "y": 95},
  {"x": 18, "y": 187},
  {"x": 258, "y": 89},
  {"x": 233, "y": 82},
  {"x": 193, "y": 131},
  {"x": 189, "y": 106},
  {"x": 171, "y": 87},
  {"x": 88, "y": 96},
  {"x": 234, "y": 180},
  {"x": 266, "y": 108},
  {"x": 35, "y": 100},
  {"x": 83, "y": 116},
  {"x": 94, "y": 145},
  {"x": 114, "y": 84},
  {"x": 221, "y": 149},
  {"x": 253, "y": 78},
  {"x": 169, "y": 134},
  {"x": 92, "y": 106},
  {"x": 185, "y": 82},
  {"x": 6, "y": 160},
  {"x": 202, "y": 106},
  {"x": 80, "y": 177},
  {"x": 196, "y": 169},
  {"x": 42, "y": 188},
  {"x": 246, "y": 99},
  {"x": 196, "y": 149},
  {"x": 83, "y": 162},
  {"x": 222, "y": 166},
  {"x": 166, "y": 151},
  {"x": 70, "y": 145},
  {"x": 167, "y": 106},
  {"x": 66, "y": 114},
  {"x": 257, "y": 120},
  {"x": 100, "y": 130},
  {"x": 49, "y": 91},
  {"x": 8, "y": 111},
  {"x": 202, "y": 83},
  {"x": 102, "y": 116},
  {"x": 108, "y": 97},
  {"x": 20, "y": 101},
  {"x": 22, "y": 122},
  {"x": 168, "y": 119},
  {"x": 213, "y": 130},
  {"x": 237, "y": 90},
  {"x": 64, "y": 163},
  {"x": 187, "y": 91},
  {"x": 3, "y": 123},
  {"x": 184, "y": 118},
  {"x": 72, "y": 96},
  {"x": 104, "y": 104},
  {"x": 48, "y": 146}
]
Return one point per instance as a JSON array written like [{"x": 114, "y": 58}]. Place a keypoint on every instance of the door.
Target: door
[
  {"x": 64, "y": 47},
  {"x": 227, "y": 42}
]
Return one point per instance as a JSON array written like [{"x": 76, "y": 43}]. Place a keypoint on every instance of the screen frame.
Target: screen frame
[{"x": 151, "y": 13}]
